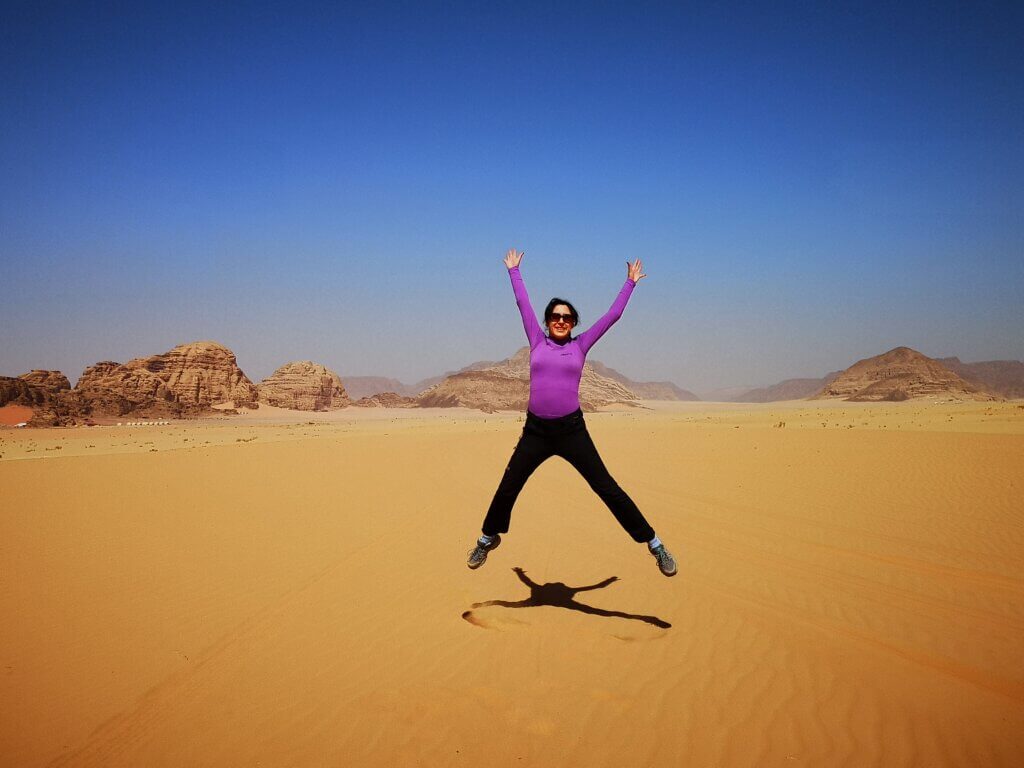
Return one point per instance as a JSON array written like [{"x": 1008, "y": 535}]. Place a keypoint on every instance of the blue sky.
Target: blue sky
[{"x": 806, "y": 185}]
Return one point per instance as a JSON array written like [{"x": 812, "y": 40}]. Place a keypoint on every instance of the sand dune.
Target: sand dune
[{"x": 259, "y": 592}]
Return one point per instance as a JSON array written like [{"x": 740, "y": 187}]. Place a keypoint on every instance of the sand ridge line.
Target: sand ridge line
[
  {"x": 889, "y": 594},
  {"x": 127, "y": 728},
  {"x": 948, "y": 667},
  {"x": 749, "y": 523},
  {"x": 910, "y": 564}
]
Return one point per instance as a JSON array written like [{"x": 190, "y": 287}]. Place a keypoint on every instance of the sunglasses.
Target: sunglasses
[{"x": 556, "y": 316}]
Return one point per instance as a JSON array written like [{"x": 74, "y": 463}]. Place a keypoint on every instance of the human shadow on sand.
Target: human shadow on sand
[{"x": 561, "y": 596}]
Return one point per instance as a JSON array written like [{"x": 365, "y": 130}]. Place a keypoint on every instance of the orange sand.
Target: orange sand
[
  {"x": 14, "y": 414},
  {"x": 254, "y": 592}
]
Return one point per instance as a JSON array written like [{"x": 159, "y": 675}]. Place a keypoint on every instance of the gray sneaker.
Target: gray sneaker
[
  {"x": 478, "y": 554},
  {"x": 666, "y": 563}
]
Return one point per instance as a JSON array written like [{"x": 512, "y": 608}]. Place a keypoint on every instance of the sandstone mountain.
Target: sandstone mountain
[
  {"x": 201, "y": 374},
  {"x": 645, "y": 390},
  {"x": 365, "y": 386},
  {"x": 423, "y": 385},
  {"x": 54, "y": 381},
  {"x": 1001, "y": 377},
  {"x": 506, "y": 386},
  {"x": 790, "y": 389},
  {"x": 303, "y": 386},
  {"x": 41, "y": 391},
  {"x": 17, "y": 391},
  {"x": 899, "y": 374},
  {"x": 113, "y": 389},
  {"x": 186, "y": 381},
  {"x": 387, "y": 400}
]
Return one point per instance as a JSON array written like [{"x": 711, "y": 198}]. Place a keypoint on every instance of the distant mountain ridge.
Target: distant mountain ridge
[
  {"x": 368, "y": 386},
  {"x": 790, "y": 389},
  {"x": 899, "y": 374},
  {"x": 645, "y": 390},
  {"x": 190, "y": 379},
  {"x": 506, "y": 386},
  {"x": 1002, "y": 377},
  {"x": 183, "y": 382}
]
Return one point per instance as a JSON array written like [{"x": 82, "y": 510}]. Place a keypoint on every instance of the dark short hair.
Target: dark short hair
[{"x": 551, "y": 308}]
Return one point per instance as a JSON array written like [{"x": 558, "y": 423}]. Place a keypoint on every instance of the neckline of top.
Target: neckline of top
[{"x": 551, "y": 341}]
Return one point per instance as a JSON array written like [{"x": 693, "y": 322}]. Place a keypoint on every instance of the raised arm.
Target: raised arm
[
  {"x": 599, "y": 585},
  {"x": 589, "y": 337},
  {"x": 524, "y": 578},
  {"x": 533, "y": 330}
]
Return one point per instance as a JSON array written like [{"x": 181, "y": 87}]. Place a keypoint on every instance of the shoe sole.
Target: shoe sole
[
  {"x": 474, "y": 567},
  {"x": 663, "y": 572}
]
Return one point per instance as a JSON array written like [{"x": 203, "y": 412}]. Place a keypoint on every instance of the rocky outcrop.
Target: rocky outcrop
[
  {"x": 303, "y": 386},
  {"x": 113, "y": 389},
  {"x": 506, "y": 386},
  {"x": 645, "y": 390},
  {"x": 186, "y": 381},
  {"x": 201, "y": 374},
  {"x": 17, "y": 391},
  {"x": 488, "y": 391},
  {"x": 54, "y": 381},
  {"x": 899, "y": 374},
  {"x": 387, "y": 400},
  {"x": 44, "y": 392},
  {"x": 359, "y": 387}
]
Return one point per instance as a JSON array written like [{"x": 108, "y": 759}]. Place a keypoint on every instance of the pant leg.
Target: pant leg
[
  {"x": 531, "y": 451},
  {"x": 579, "y": 450}
]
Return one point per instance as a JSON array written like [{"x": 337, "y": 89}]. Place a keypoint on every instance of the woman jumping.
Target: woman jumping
[{"x": 554, "y": 420}]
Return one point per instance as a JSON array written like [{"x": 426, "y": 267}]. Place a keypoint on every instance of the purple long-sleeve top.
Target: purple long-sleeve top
[{"x": 556, "y": 369}]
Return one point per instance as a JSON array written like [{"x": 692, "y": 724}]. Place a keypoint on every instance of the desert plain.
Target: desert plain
[{"x": 282, "y": 589}]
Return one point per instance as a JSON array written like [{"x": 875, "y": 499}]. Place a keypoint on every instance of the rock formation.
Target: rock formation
[
  {"x": 899, "y": 374},
  {"x": 201, "y": 374},
  {"x": 506, "y": 386},
  {"x": 17, "y": 391},
  {"x": 303, "y": 386},
  {"x": 42, "y": 391},
  {"x": 186, "y": 381},
  {"x": 112, "y": 389},
  {"x": 387, "y": 400},
  {"x": 360, "y": 387},
  {"x": 645, "y": 390},
  {"x": 55, "y": 381}
]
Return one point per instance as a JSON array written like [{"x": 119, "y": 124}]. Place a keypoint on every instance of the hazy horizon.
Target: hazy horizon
[{"x": 806, "y": 186}]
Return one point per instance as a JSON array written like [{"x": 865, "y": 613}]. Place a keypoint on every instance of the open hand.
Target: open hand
[
  {"x": 512, "y": 258},
  {"x": 635, "y": 271}
]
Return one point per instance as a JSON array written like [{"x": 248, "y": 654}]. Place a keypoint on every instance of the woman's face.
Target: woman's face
[{"x": 560, "y": 323}]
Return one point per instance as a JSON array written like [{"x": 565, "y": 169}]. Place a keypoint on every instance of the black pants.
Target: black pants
[{"x": 566, "y": 437}]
